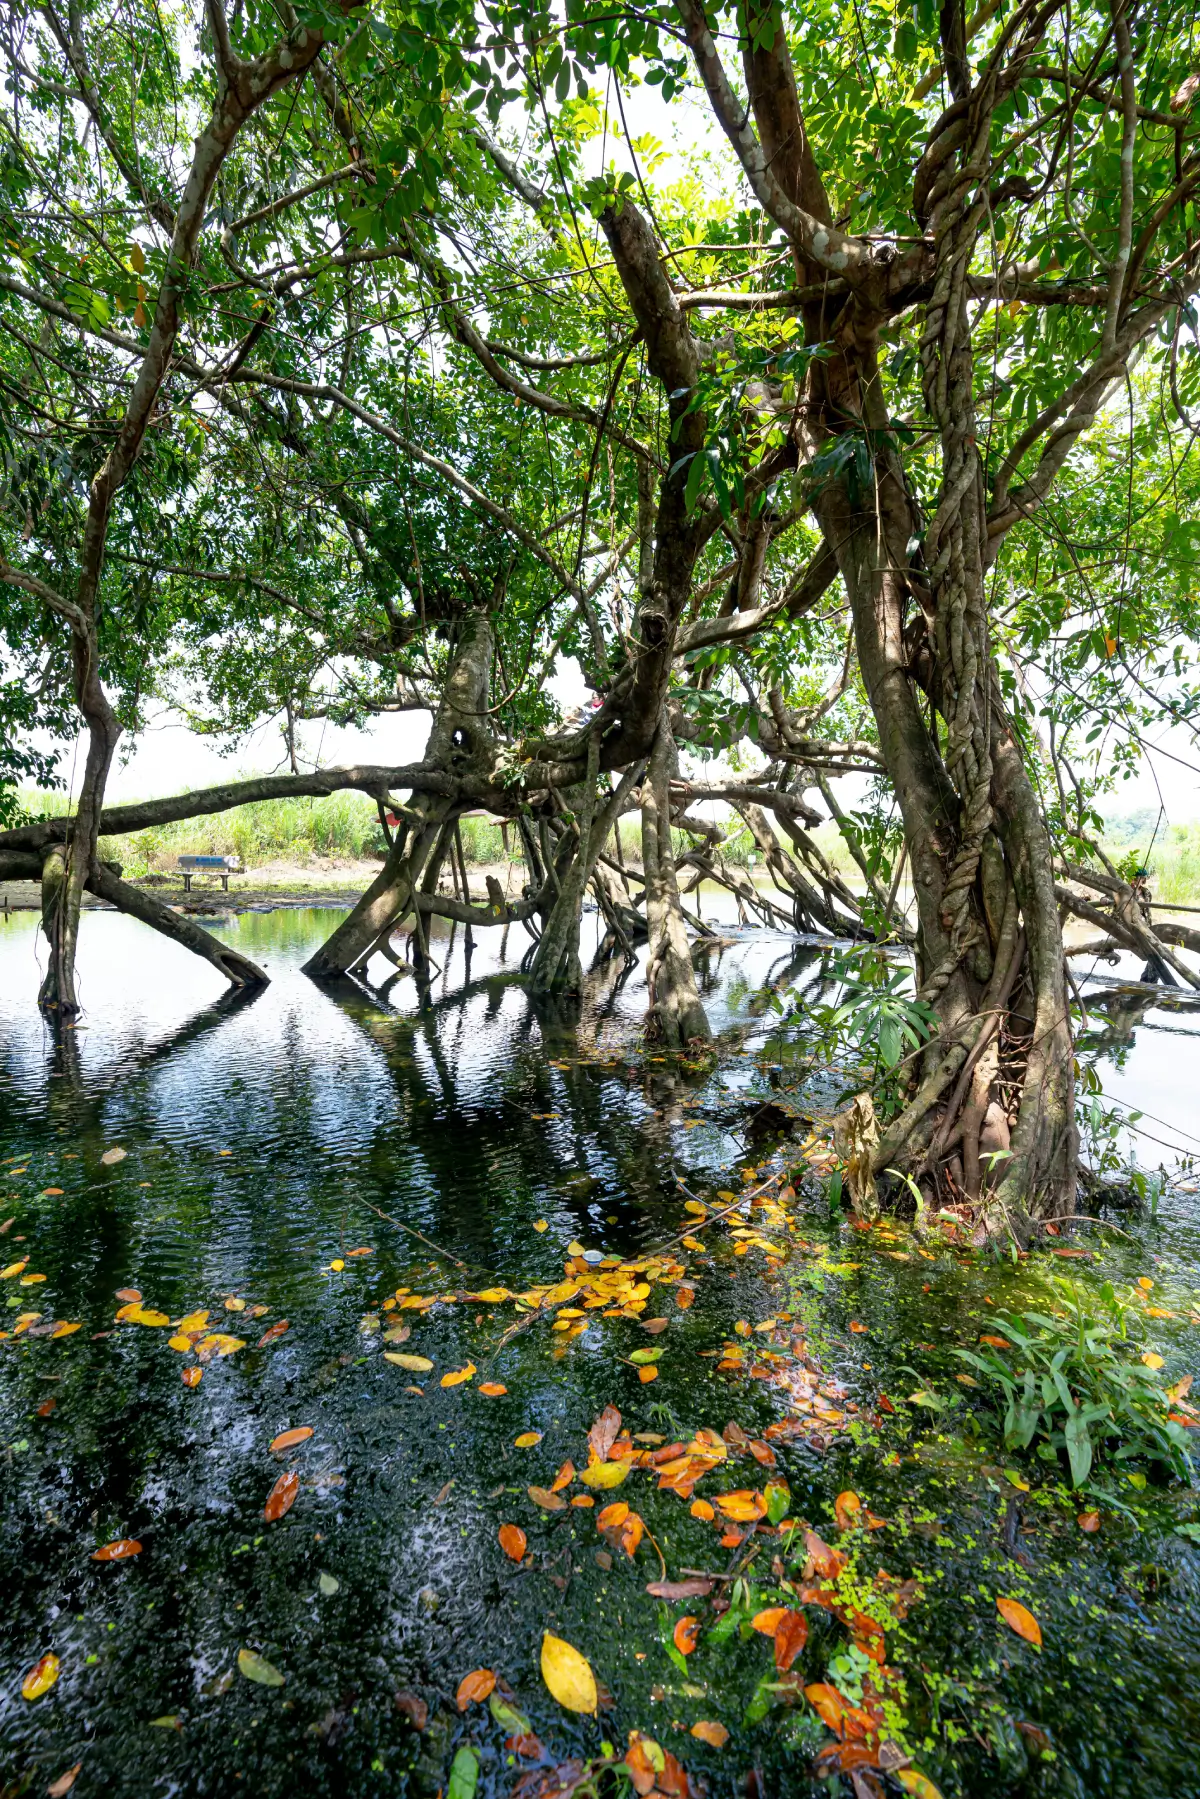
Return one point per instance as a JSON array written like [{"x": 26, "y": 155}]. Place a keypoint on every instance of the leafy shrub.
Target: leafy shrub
[{"x": 1073, "y": 1384}]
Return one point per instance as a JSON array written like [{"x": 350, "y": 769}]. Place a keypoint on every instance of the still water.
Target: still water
[{"x": 466, "y": 1144}]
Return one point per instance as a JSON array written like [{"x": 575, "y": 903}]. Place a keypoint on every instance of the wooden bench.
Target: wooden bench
[{"x": 217, "y": 865}]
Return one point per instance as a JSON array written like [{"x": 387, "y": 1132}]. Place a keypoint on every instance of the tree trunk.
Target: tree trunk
[
  {"x": 675, "y": 1016},
  {"x": 80, "y": 862},
  {"x": 460, "y": 744}
]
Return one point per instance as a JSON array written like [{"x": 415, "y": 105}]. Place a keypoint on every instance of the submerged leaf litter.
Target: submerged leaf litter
[{"x": 695, "y": 1488}]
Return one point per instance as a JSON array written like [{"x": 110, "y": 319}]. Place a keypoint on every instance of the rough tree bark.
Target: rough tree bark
[
  {"x": 675, "y": 1015},
  {"x": 460, "y": 744}
]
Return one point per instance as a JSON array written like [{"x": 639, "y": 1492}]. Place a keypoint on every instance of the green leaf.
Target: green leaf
[
  {"x": 464, "y": 1774},
  {"x": 256, "y": 1667}
]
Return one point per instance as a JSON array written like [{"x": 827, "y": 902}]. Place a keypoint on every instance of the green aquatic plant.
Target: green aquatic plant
[{"x": 1079, "y": 1384}]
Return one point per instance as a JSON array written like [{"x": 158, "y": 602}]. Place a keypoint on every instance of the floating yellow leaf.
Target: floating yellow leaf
[
  {"x": 42, "y": 1676},
  {"x": 492, "y": 1388},
  {"x": 337, "y": 1264},
  {"x": 540, "y": 1224},
  {"x": 1149, "y": 1359},
  {"x": 715, "y": 1735},
  {"x": 568, "y": 1675},
  {"x": 913, "y": 1781},
  {"x": 458, "y": 1375},
  {"x": 6, "y": 1274},
  {"x": 493, "y": 1296},
  {"x": 692, "y": 1243},
  {"x": 605, "y": 1475},
  {"x": 195, "y": 1321},
  {"x": 527, "y": 1439},
  {"x": 416, "y": 1364},
  {"x": 32, "y": 1280},
  {"x": 219, "y": 1343},
  {"x": 234, "y": 1304},
  {"x": 1019, "y": 1619},
  {"x": 179, "y": 1342},
  {"x": 63, "y": 1329}
]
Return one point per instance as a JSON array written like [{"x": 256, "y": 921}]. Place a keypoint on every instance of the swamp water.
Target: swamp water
[{"x": 264, "y": 1140}]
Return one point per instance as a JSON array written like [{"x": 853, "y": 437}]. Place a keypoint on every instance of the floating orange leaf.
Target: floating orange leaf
[
  {"x": 192, "y": 1377},
  {"x": 767, "y": 1622},
  {"x": 40, "y": 1678},
  {"x": 996, "y": 1342},
  {"x": 456, "y": 1376},
  {"x": 603, "y": 1433},
  {"x": 117, "y": 1551},
  {"x": 527, "y": 1439},
  {"x": 647, "y": 1374},
  {"x": 513, "y": 1541},
  {"x": 827, "y": 1562},
  {"x": 1089, "y": 1522},
  {"x": 700, "y": 1508},
  {"x": 288, "y": 1439},
  {"x": 684, "y": 1297},
  {"x": 857, "y": 1328},
  {"x": 715, "y": 1735},
  {"x": 474, "y": 1687},
  {"x": 583, "y": 1500},
  {"x": 686, "y": 1634},
  {"x": 742, "y": 1506},
  {"x": 272, "y": 1332},
  {"x": 282, "y": 1496},
  {"x": 791, "y": 1634},
  {"x": 492, "y": 1388},
  {"x": 1019, "y": 1619},
  {"x": 549, "y": 1502},
  {"x": 564, "y": 1477},
  {"x": 847, "y": 1510},
  {"x": 828, "y": 1704}
]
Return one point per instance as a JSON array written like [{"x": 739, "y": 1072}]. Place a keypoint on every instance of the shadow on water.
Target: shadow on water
[{"x": 270, "y": 1137}]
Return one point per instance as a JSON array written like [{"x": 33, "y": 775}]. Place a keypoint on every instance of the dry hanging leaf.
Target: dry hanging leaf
[
  {"x": 513, "y": 1541},
  {"x": 1019, "y": 1619},
  {"x": 686, "y": 1634},
  {"x": 715, "y": 1735},
  {"x": 117, "y": 1551},
  {"x": 282, "y": 1497},
  {"x": 474, "y": 1687},
  {"x": 287, "y": 1439},
  {"x": 40, "y": 1678},
  {"x": 492, "y": 1388},
  {"x": 568, "y": 1675}
]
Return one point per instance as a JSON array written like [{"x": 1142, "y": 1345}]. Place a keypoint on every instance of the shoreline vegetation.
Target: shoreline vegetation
[{"x": 278, "y": 839}]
